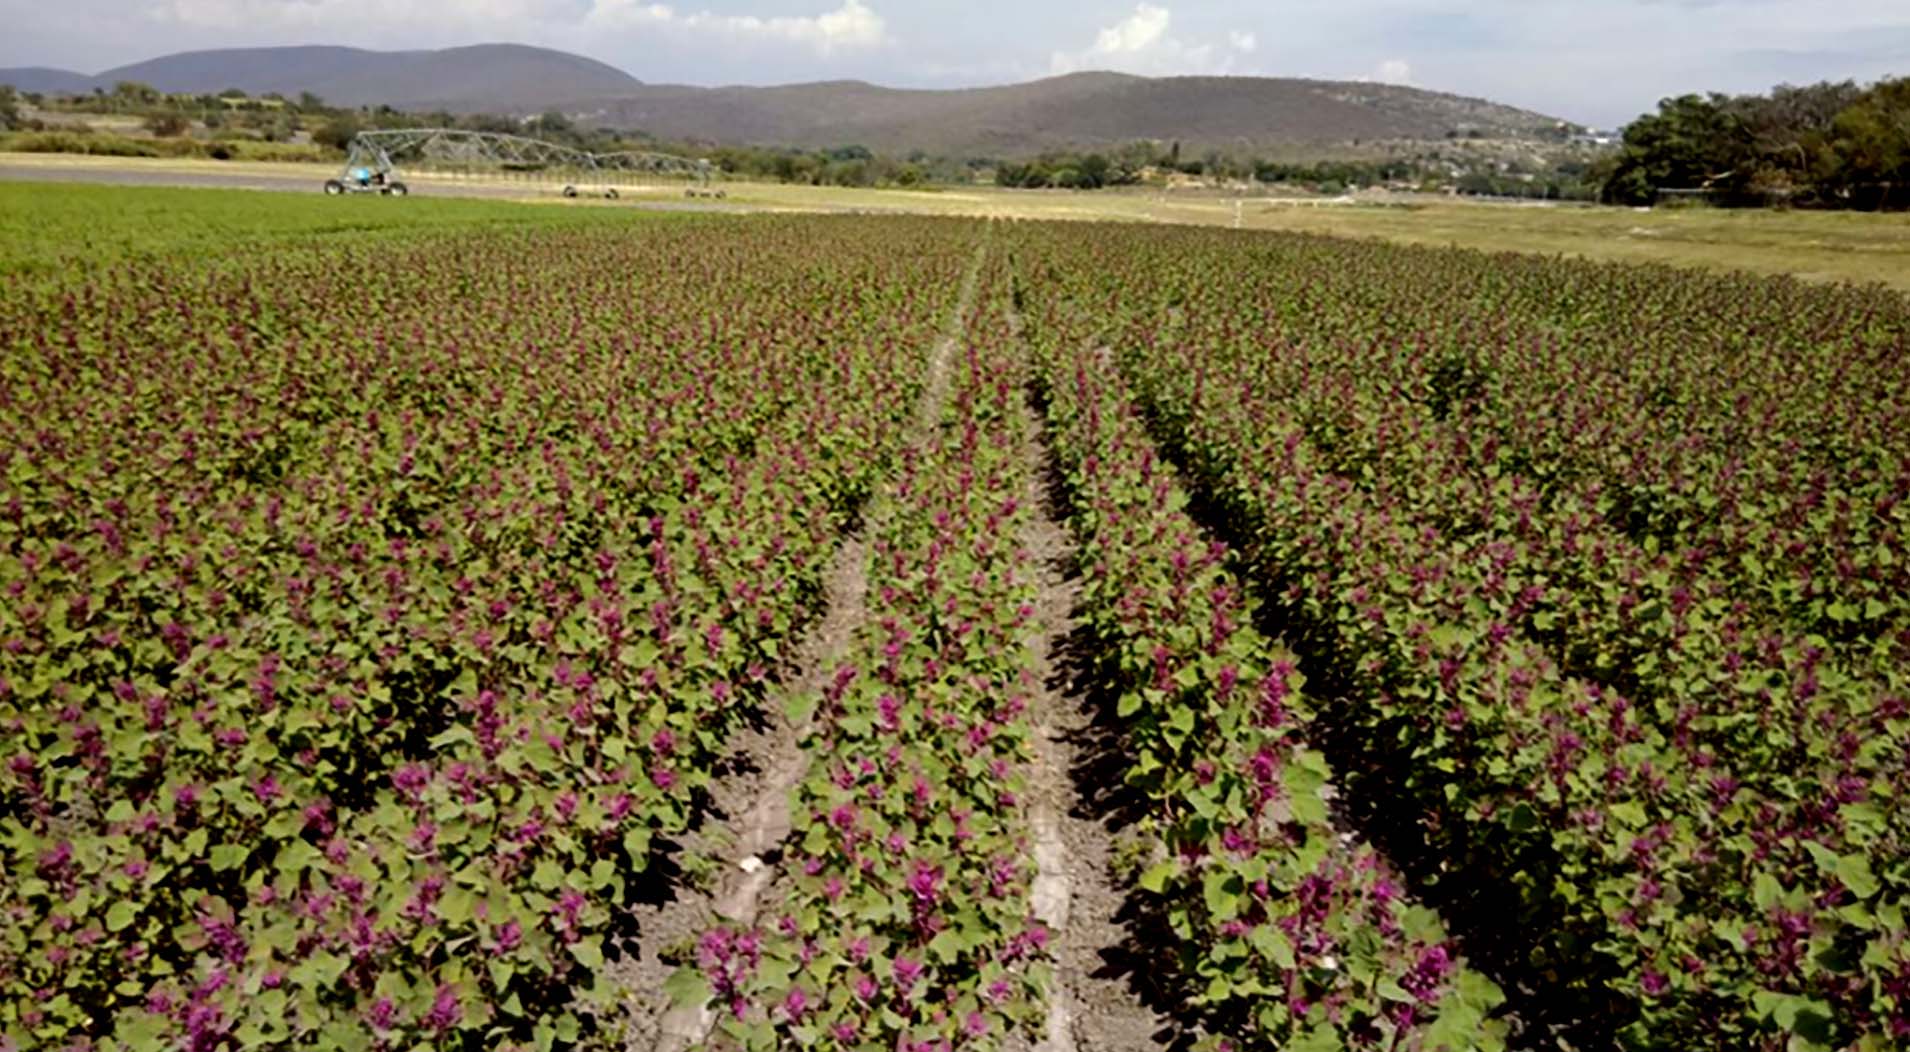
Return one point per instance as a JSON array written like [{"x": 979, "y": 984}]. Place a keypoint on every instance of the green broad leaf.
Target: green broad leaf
[
  {"x": 1854, "y": 871},
  {"x": 345, "y": 1037},
  {"x": 1766, "y": 891},
  {"x": 636, "y": 843},
  {"x": 1863, "y": 819},
  {"x": 1182, "y": 720},
  {"x": 143, "y": 1032},
  {"x": 229, "y": 856},
  {"x": 759, "y": 1036},
  {"x": 1129, "y": 704},
  {"x": 1825, "y": 858},
  {"x": 322, "y": 969},
  {"x": 776, "y": 972},
  {"x": 1803, "y": 1017},
  {"x": 1272, "y": 1016},
  {"x": 457, "y": 905},
  {"x": 643, "y": 655},
  {"x": 548, "y": 875},
  {"x": 947, "y": 946},
  {"x": 589, "y": 952},
  {"x": 284, "y": 825},
  {"x": 802, "y": 709},
  {"x": 459, "y": 735},
  {"x": 1522, "y": 819},
  {"x": 1460, "y": 1027},
  {"x": 1157, "y": 876},
  {"x": 1304, "y": 780},
  {"x": 1630, "y": 813},
  {"x": 1219, "y": 989},
  {"x": 1322, "y": 1038},
  {"x": 295, "y": 856},
  {"x": 1477, "y": 991},
  {"x": 1392, "y": 991},
  {"x": 1274, "y": 945},
  {"x": 1221, "y": 892},
  {"x": 120, "y": 915}
]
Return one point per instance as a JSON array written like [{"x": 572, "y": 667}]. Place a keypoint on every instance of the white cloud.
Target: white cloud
[
  {"x": 852, "y": 26},
  {"x": 1143, "y": 29},
  {"x": 1143, "y": 42},
  {"x": 1393, "y": 71}
]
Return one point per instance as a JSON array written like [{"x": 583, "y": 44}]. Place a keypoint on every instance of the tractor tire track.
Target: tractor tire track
[{"x": 1093, "y": 1005}]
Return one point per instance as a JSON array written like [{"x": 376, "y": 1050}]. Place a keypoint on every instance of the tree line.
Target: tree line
[{"x": 1828, "y": 145}]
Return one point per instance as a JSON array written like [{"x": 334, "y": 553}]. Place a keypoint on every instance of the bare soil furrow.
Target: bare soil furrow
[{"x": 1093, "y": 1006}]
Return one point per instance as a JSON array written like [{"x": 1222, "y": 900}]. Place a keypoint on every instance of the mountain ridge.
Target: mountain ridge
[
  {"x": 1072, "y": 111},
  {"x": 508, "y": 76}
]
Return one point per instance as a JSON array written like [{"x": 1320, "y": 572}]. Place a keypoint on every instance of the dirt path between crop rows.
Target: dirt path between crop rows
[
  {"x": 748, "y": 819},
  {"x": 1093, "y": 1006}
]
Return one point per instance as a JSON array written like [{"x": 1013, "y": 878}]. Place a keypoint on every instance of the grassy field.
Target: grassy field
[
  {"x": 1815, "y": 246},
  {"x": 48, "y": 226}
]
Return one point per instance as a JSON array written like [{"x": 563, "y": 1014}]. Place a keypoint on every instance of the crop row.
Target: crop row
[
  {"x": 1591, "y": 630},
  {"x": 902, "y": 918},
  {"x": 1289, "y": 934},
  {"x": 360, "y": 637}
]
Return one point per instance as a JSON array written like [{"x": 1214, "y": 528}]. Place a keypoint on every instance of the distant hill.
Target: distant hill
[
  {"x": 502, "y": 77},
  {"x": 1076, "y": 111},
  {"x": 1079, "y": 110},
  {"x": 50, "y": 81}
]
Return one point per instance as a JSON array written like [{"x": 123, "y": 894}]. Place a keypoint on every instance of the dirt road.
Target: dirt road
[{"x": 115, "y": 171}]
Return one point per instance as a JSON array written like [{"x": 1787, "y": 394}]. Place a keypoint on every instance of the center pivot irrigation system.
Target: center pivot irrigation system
[{"x": 371, "y": 165}]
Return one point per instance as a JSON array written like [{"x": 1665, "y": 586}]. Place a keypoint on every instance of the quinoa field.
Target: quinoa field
[{"x": 470, "y": 626}]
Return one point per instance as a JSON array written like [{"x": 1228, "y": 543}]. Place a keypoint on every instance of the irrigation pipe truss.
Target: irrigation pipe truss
[{"x": 375, "y": 149}]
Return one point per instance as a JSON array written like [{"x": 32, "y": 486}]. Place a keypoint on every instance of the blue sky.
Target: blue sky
[{"x": 1599, "y": 62}]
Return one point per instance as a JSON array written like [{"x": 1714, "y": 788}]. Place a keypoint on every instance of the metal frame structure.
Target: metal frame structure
[{"x": 375, "y": 150}]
